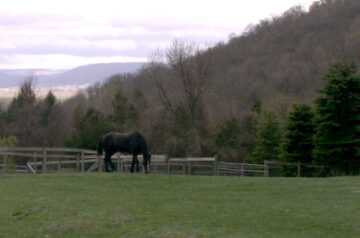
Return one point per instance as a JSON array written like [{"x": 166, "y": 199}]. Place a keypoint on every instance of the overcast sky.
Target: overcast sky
[{"x": 62, "y": 34}]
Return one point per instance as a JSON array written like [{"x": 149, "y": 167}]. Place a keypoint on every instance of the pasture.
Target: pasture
[{"x": 138, "y": 205}]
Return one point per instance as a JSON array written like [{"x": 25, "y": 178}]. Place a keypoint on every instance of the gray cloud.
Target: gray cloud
[
  {"x": 35, "y": 39},
  {"x": 41, "y": 34}
]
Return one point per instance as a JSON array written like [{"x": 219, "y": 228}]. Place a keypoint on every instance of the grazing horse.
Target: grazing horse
[{"x": 133, "y": 143}]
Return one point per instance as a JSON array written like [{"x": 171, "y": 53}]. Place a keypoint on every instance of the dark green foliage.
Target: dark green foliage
[
  {"x": 140, "y": 101},
  {"x": 257, "y": 107},
  {"x": 338, "y": 120},
  {"x": 181, "y": 128},
  {"x": 23, "y": 103},
  {"x": 47, "y": 108},
  {"x": 89, "y": 129},
  {"x": 22, "y": 115},
  {"x": 228, "y": 140},
  {"x": 298, "y": 143},
  {"x": 228, "y": 134},
  {"x": 124, "y": 114},
  {"x": 268, "y": 139},
  {"x": 2, "y": 120},
  {"x": 26, "y": 95}
]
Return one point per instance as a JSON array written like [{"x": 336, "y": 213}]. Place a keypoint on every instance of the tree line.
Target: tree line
[
  {"x": 251, "y": 99},
  {"x": 326, "y": 133}
]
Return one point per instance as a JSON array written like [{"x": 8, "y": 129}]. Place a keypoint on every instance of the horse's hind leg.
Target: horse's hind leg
[
  {"x": 134, "y": 162},
  {"x": 137, "y": 164},
  {"x": 108, "y": 161},
  {"x": 112, "y": 165}
]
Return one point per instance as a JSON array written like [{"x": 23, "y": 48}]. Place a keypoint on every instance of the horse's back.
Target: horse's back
[{"x": 123, "y": 142}]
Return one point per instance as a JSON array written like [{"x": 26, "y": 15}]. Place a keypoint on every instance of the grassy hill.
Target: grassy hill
[{"x": 124, "y": 205}]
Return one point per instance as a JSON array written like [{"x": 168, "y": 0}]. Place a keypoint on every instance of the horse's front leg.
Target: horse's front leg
[
  {"x": 106, "y": 162},
  {"x": 112, "y": 165},
  {"x": 132, "y": 165},
  {"x": 137, "y": 163}
]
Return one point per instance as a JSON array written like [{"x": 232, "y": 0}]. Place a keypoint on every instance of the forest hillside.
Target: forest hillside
[{"x": 191, "y": 101}]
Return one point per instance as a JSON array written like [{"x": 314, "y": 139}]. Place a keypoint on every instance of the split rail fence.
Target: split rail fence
[{"x": 61, "y": 160}]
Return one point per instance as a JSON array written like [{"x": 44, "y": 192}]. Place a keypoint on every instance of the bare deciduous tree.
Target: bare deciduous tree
[
  {"x": 156, "y": 71},
  {"x": 186, "y": 65}
]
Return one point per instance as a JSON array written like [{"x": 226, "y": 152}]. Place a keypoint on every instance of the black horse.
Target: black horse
[{"x": 133, "y": 143}]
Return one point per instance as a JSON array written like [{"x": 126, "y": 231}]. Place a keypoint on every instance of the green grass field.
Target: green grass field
[{"x": 126, "y": 205}]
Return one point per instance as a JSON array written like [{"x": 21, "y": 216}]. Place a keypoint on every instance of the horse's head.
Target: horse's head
[{"x": 147, "y": 162}]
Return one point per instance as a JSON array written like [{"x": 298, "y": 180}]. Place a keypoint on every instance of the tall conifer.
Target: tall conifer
[{"x": 338, "y": 119}]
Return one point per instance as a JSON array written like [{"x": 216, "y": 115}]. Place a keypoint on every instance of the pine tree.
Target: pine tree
[
  {"x": 268, "y": 139},
  {"x": 124, "y": 115},
  {"x": 89, "y": 129},
  {"x": 338, "y": 119},
  {"x": 23, "y": 103},
  {"x": 228, "y": 134},
  {"x": 22, "y": 115},
  {"x": 47, "y": 107},
  {"x": 299, "y": 135}
]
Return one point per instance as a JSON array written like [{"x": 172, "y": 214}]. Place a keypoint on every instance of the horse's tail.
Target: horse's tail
[{"x": 99, "y": 148}]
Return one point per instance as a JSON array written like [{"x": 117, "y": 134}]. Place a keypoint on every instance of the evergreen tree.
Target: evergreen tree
[
  {"x": 23, "y": 102},
  {"x": 2, "y": 120},
  {"x": 22, "y": 115},
  {"x": 299, "y": 135},
  {"x": 228, "y": 134},
  {"x": 47, "y": 108},
  {"x": 89, "y": 129},
  {"x": 227, "y": 140},
  {"x": 338, "y": 119},
  {"x": 124, "y": 115},
  {"x": 268, "y": 139}
]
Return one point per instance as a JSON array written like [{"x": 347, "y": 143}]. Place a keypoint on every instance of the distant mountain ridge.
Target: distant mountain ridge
[{"x": 87, "y": 74}]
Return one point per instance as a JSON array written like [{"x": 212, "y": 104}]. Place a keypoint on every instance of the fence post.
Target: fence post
[
  {"x": 122, "y": 164},
  {"x": 167, "y": 159},
  {"x": 99, "y": 164},
  {"x": 118, "y": 162},
  {"x": 82, "y": 161},
  {"x": 242, "y": 169},
  {"x": 44, "y": 165},
  {"x": 189, "y": 167},
  {"x": 216, "y": 166},
  {"x": 35, "y": 165},
  {"x": 184, "y": 167},
  {"x": 5, "y": 161},
  {"x": 59, "y": 166},
  {"x": 299, "y": 169},
  {"x": 266, "y": 169},
  {"x": 77, "y": 163}
]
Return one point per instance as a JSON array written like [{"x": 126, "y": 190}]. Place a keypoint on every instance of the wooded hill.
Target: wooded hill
[{"x": 189, "y": 101}]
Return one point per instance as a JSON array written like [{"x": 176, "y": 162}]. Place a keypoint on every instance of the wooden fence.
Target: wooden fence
[
  {"x": 243, "y": 169},
  {"x": 51, "y": 160}
]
